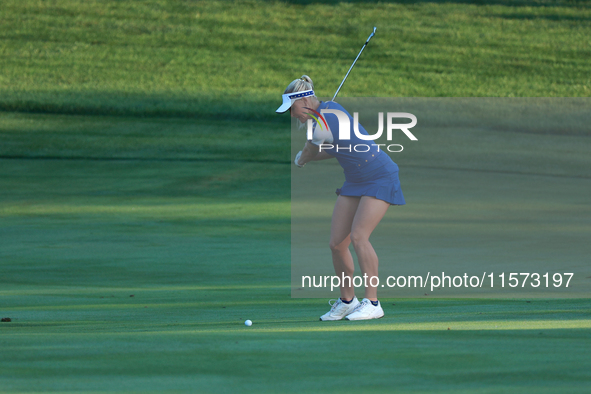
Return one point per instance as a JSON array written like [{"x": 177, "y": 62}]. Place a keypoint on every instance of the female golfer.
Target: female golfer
[{"x": 371, "y": 186}]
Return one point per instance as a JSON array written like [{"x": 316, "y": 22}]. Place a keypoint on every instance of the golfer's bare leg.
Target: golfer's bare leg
[
  {"x": 342, "y": 220},
  {"x": 369, "y": 213}
]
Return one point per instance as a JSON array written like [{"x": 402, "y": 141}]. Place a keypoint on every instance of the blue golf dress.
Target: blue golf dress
[{"x": 371, "y": 173}]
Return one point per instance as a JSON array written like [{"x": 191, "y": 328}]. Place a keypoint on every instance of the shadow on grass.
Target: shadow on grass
[
  {"x": 148, "y": 159},
  {"x": 207, "y": 106}
]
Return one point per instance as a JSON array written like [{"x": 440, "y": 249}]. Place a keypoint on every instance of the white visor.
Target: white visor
[{"x": 289, "y": 98}]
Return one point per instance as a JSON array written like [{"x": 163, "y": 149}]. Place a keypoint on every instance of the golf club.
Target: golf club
[{"x": 354, "y": 61}]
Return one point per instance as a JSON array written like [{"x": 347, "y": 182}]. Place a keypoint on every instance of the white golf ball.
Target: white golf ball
[{"x": 248, "y": 323}]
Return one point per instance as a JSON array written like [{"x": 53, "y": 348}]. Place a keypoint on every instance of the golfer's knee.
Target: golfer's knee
[
  {"x": 338, "y": 247},
  {"x": 358, "y": 238}
]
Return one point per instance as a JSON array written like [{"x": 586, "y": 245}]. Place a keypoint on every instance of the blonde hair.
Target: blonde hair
[{"x": 300, "y": 85}]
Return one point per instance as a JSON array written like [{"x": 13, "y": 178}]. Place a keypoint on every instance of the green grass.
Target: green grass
[
  {"x": 207, "y": 58},
  {"x": 108, "y": 138},
  {"x": 203, "y": 245},
  {"x": 127, "y": 169},
  {"x": 192, "y": 338}
]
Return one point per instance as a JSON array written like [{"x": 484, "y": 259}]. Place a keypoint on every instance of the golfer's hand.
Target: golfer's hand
[{"x": 297, "y": 159}]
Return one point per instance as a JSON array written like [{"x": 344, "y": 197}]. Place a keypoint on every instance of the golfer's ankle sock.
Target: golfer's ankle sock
[
  {"x": 347, "y": 302},
  {"x": 374, "y": 303}
]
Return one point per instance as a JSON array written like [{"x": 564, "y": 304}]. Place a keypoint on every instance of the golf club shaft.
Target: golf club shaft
[{"x": 354, "y": 61}]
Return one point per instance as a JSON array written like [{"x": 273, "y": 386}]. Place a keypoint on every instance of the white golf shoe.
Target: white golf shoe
[
  {"x": 339, "y": 309},
  {"x": 366, "y": 311}
]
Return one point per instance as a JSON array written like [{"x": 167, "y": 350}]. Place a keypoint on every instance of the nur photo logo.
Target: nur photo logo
[{"x": 344, "y": 134}]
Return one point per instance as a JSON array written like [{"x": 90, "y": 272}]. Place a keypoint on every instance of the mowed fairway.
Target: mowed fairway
[
  {"x": 136, "y": 275},
  {"x": 143, "y": 219}
]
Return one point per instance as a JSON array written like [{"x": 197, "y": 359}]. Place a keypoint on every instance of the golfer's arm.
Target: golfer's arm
[
  {"x": 312, "y": 152},
  {"x": 308, "y": 153},
  {"x": 322, "y": 156}
]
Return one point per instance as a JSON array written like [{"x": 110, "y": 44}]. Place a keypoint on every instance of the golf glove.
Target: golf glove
[{"x": 297, "y": 158}]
